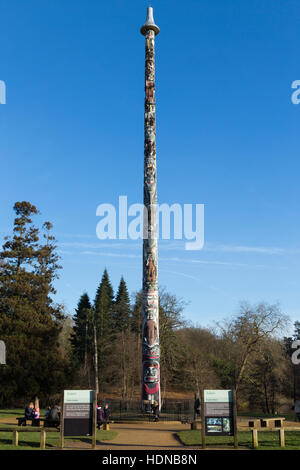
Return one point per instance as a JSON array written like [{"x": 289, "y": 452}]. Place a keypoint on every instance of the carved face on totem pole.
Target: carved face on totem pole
[
  {"x": 151, "y": 372},
  {"x": 151, "y": 379},
  {"x": 150, "y": 332}
]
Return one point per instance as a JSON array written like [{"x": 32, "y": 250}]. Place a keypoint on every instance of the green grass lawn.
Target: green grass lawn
[
  {"x": 31, "y": 441},
  {"x": 266, "y": 440},
  {"x": 12, "y": 413}
]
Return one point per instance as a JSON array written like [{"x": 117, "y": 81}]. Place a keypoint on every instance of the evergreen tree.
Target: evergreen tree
[
  {"x": 136, "y": 319},
  {"x": 122, "y": 312},
  {"x": 29, "y": 320},
  {"x": 103, "y": 317},
  {"x": 122, "y": 309},
  {"x": 81, "y": 339}
]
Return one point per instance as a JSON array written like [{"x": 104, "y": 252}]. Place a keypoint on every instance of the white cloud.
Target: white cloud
[{"x": 245, "y": 249}]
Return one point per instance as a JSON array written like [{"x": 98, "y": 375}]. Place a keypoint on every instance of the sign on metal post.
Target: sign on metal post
[
  {"x": 218, "y": 412},
  {"x": 2, "y": 353},
  {"x": 78, "y": 413}
]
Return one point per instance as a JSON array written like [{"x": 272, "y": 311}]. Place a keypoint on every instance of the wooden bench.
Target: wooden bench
[
  {"x": 277, "y": 422},
  {"x": 16, "y": 431},
  {"x": 22, "y": 421},
  {"x": 265, "y": 422},
  {"x": 48, "y": 423}
]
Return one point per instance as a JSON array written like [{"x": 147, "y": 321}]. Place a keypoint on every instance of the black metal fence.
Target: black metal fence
[{"x": 131, "y": 410}]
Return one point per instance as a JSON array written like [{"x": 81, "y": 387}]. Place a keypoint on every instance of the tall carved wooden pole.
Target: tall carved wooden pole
[{"x": 150, "y": 342}]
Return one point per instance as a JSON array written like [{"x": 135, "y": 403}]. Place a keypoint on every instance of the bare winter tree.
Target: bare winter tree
[{"x": 243, "y": 336}]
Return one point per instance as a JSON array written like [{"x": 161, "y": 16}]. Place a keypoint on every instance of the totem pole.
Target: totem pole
[{"x": 150, "y": 329}]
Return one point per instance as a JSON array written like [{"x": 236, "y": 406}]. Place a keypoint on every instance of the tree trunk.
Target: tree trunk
[
  {"x": 124, "y": 391},
  {"x": 85, "y": 349},
  {"x": 96, "y": 361},
  {"x": 266, "y": 397}
]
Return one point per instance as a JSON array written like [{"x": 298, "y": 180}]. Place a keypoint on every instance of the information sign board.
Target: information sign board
[
  {"x": 78, "y": 412},
  {"x": 218, "y": 411}
]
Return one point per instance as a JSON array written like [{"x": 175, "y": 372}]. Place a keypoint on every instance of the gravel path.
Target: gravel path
[{"x": 148, "y": 436}]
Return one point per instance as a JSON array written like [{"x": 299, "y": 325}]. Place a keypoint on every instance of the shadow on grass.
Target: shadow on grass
[
  {"x": 12, "y": 412},
  {"x": 8, "y": 442},
  {"x": 266, "y": 440}
]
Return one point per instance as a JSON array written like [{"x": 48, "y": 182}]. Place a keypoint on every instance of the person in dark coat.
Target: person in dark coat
[
  {"x": 197, "y": 407},
  {"x": 29, "y": 413},
  {"x": 100, "y": 416},
  {"x": 155, "y": 409},
  {"x": 54, "y": 414},
  {"x": 106, "y": 413},
  {"x": 47, "y": 413}
]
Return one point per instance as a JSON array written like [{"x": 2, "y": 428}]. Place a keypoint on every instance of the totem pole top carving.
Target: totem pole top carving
[{"x": 150, "y": 24}]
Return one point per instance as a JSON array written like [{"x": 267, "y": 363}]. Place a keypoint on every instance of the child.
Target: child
[{"x": 36, "y": 413}]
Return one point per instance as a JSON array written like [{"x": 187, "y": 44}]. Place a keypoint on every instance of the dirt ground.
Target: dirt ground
[{"x": 148, "y": 436}]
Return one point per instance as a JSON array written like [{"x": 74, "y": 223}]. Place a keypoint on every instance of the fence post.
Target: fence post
[
  {"x": 43, "y": 439},
  {"x": 15, "y": 438},
  {"x": 94, "y": 438},
  {"x": 281, "y": 437},
  {"x": 235, "y": 429},
  {"x": 62, "y": 430},
  {"x": 254, "y": 438},
  {"x": 203, "y": 421}
]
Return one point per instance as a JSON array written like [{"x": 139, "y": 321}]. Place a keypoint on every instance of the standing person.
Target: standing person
[
  {"x": 106, "y": 413},
  {"x": 197, "y": 407},
  {"x": 100, "y": 416},
  {"x": 155, "y": 408},
  {"x": 297, "y": 408}
]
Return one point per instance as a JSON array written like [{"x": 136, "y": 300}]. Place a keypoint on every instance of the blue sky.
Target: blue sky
[{"x": 71, "y": 138}]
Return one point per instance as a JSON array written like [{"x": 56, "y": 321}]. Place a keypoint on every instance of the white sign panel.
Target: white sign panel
[
  {"x": 78, "y": 396},
  {"x": 217, "y": 396}
]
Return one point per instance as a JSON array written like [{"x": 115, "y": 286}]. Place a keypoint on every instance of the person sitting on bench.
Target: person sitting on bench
[
  {"x": 29, "y": 413},
  {"x": 36, "y": 413},
  {"x": 54, "y": 414},
  {"x": 47, "y": 413}
]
